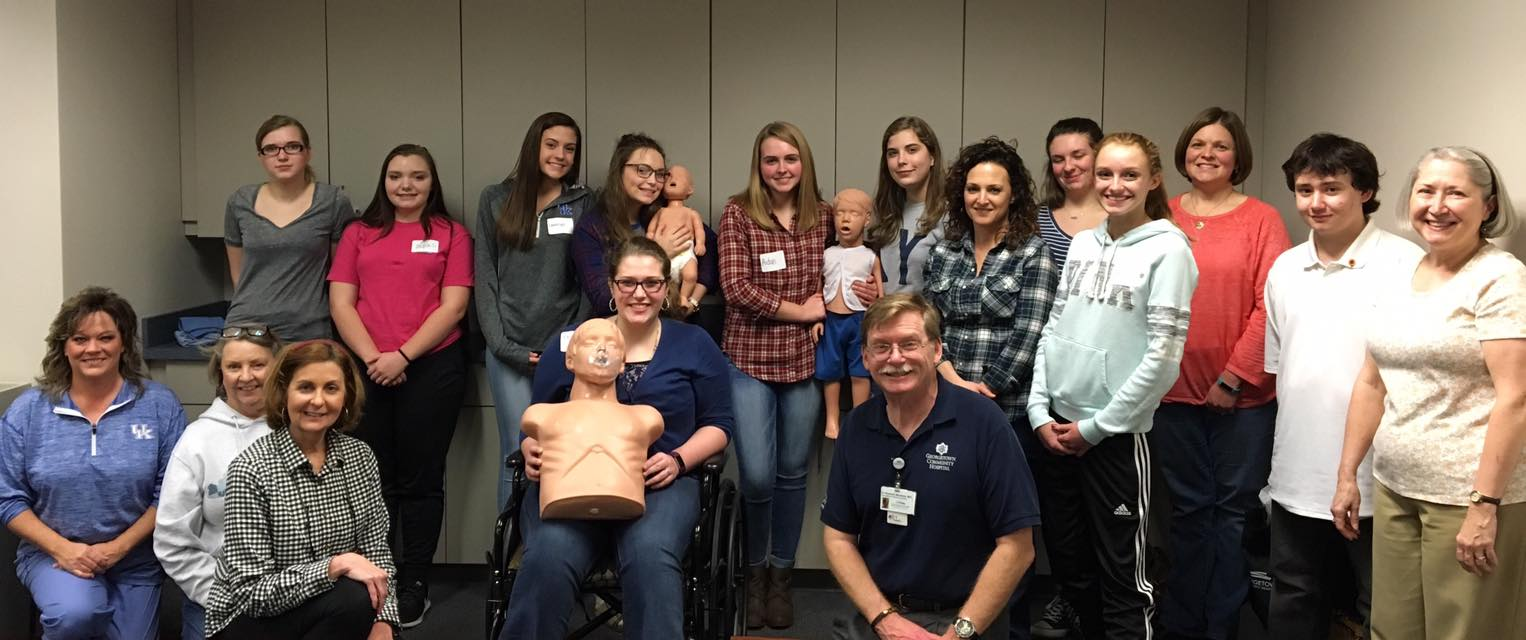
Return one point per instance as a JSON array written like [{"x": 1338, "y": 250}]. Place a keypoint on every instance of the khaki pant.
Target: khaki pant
[{"x": 1419, "y": 590}]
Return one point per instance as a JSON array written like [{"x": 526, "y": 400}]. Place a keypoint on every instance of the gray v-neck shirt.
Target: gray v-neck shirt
[{"x": 283, "y": 280}]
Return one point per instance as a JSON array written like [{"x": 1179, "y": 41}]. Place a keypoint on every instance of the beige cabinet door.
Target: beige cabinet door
[
  {"x": 394, "y": 77},
  {"x": 246, "y": 61}
]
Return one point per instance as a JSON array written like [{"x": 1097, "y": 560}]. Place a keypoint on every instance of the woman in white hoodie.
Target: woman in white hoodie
[
  {"x": 1111, "y": 349},
  {"x": 188, "y": 531}
]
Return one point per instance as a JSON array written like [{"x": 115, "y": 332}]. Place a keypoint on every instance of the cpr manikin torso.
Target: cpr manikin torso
[{"x": 593, "y": 446}]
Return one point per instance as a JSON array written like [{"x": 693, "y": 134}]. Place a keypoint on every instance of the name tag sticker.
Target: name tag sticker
[
  {"x": 897, "y": 500},
  {"x": 566, "y": 338},
  {"x": 426, "y": 246},
  {"x": 771, "y": 261},
  {"x": 558, "y": 226}
]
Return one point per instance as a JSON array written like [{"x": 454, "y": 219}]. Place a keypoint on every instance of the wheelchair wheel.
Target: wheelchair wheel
[{"x": 728, "y": 596}]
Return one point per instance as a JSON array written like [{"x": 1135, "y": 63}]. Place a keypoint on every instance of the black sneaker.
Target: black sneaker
[
  {"x": 1058, "y": 619},
  {"x": 412, "y": 604}
]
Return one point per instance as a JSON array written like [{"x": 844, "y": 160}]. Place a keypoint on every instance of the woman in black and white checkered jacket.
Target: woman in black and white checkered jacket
[{"x": 305, "y": 541}]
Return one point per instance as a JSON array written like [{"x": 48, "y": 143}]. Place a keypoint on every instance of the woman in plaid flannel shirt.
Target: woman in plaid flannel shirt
[{"x": 771, "y": 241}]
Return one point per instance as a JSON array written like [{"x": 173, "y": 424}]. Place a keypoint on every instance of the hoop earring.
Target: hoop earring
[
  {"x": 666, "y": 304},
  {"x": 612, "y": 305}
]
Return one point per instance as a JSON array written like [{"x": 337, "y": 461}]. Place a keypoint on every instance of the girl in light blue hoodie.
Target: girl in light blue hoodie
[{"x": 1110, "y": 351}]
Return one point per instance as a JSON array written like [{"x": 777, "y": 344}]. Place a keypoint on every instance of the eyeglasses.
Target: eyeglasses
[
  {"x": 645, "y": 171},
  {"x": 254, "y": 331},
  {"x": 291, "y": 149},
  {"x": 884, "y": 349},
  {"x": 653, "y": 286}
]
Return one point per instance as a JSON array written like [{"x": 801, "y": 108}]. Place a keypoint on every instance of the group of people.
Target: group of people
[{"x": 1067, "y": 344}]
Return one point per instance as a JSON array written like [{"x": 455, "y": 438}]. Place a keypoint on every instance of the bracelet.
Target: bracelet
[
  {"x": 405, "y": 356},
  {"x": 682, "y": 468},
  {"x": 882, "y": 615}
]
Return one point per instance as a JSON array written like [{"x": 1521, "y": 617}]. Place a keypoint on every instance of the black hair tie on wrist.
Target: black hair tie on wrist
[{"x": 405, "y": 356}]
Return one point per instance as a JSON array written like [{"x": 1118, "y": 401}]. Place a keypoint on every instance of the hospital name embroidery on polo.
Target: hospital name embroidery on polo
[
  {"x": 143, "y": 432},
  {"x": 941, "y": 461}
]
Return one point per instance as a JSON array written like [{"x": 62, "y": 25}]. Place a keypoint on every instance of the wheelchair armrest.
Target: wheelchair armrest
[{"x": 715, "y": 464}]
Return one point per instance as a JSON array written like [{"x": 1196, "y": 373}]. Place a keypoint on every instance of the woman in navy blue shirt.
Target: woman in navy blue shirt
[{"x": 678, "y": 369}]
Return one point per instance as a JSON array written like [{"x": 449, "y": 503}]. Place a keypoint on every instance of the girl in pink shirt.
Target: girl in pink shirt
[{"x": 399, "y": 287}]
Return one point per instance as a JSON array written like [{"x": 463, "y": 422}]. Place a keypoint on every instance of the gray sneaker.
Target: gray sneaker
[{"x": 1058, "y": 620}]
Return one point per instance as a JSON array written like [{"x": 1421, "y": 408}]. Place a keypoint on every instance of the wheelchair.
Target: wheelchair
[{"x": 715, "y": 569}]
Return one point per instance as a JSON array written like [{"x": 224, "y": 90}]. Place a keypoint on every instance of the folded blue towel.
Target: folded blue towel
[{"x": 199, "y": 331}]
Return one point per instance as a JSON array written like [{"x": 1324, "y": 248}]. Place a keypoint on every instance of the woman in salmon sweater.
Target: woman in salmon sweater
[{"x": 1213, "y": 431}]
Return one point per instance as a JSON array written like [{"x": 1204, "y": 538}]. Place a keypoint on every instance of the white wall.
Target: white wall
[
  {"x": 1401, "y": 76},
  {"x": 31, "y": 278}
]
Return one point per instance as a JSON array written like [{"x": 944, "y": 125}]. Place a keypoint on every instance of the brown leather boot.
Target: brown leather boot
[
  {"x": 780, "y": 612},
  {"x": 757, "y": 589}
]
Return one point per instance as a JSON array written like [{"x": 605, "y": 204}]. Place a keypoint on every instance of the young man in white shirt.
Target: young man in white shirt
[{"x": 1318, "y": 300}]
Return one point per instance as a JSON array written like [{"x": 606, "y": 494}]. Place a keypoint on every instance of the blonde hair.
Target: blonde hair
[
  {"x": 807, "y": 196},
  {"x": 1157, "y": 206}
]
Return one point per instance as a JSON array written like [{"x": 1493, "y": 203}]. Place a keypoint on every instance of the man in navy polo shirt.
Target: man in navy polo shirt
[{"x": 930, "y": 506}]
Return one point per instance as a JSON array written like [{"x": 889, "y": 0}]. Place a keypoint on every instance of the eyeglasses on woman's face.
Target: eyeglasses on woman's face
[
  {"x": 653, "y": 286},
  {"x": 291, "y": 149},
  {"x": 646, "y": 171}
]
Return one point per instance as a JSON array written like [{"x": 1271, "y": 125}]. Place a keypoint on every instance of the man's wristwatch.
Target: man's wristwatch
[
  {"x": 1479, "y": 498},
  {"x": 1228, "y": 388},
  {"x": 964, "y": 628}
]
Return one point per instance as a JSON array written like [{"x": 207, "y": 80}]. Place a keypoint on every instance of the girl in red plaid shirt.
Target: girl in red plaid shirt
[{"x": 771, "y": 241}]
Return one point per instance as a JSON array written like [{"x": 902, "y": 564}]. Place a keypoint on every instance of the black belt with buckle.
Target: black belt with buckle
[{"x": 922, "y": 605}]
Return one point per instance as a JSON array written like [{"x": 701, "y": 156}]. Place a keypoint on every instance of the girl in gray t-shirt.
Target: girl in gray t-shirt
[{"x": 280, "y": 236}]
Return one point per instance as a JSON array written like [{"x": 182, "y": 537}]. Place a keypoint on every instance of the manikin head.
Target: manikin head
[
  {"x": 596, "y": 352},
  {"x": 853, "y": 209},
  {"x": 680, "y": 186}
]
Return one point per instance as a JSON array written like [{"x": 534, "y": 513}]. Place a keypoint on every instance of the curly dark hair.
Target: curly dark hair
[
  {"x": 57, "y": 373},
  {"x": 1022, "y": 212}
]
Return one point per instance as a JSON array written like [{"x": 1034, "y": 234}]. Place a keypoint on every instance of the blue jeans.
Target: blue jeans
[
  {"x": 775, "y": 424},
  {"x": 1216, "y": 466},
  {"x": 193, "y": 620},
  {"x": 649, "y": 554},
  {"x": 511, "y": 396},
  {"x": 99, "y": 607}
]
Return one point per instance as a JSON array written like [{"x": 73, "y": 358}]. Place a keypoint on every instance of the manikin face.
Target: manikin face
[
  {"x": 244, "y": 366},
  {"x": 988, "y": 196},
  {"x": 779, "y": 165},
  {"x": 1446, "y": 207},
  {"x": 1123, "y": 180},
  {"x": 1070, "y": 160},
  {"x": 315, "y": 398},
  {"x": 851, "y": 216},
  {"x": 596, "y": 352},
  {"x": 908, "y": 159},
  {"x": 644, "y": 190},
  {"x": 1210, "y": 157},
  {"x": 558, "y": 149},
  {"x": 900, "y": 357},
  {"x": 1329, "y": 204},
  {"x": 282, "y": 165},
  {"x": 94, "y": 350},
  {"x": 680, "y": 184},
  {"x": 408, "y": 184}
]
